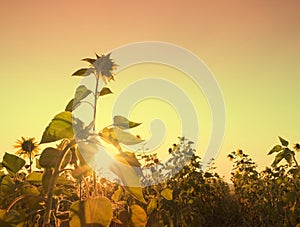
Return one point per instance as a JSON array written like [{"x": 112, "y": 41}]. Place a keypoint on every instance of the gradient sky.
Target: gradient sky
[{"x": 252, "y": 48}]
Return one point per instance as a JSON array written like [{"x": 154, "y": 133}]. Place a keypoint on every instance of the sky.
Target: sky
[{"x": 251, "y": 47}]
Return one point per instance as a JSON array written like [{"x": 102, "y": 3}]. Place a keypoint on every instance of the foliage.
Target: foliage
[
  {"x": 270, "y": 197},
  {"x": 63, "y": 190}
]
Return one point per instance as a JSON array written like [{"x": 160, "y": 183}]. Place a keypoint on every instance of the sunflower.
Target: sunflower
[
  {"x": 27, "y": 147},
  {"x": 297, "y": 147}
]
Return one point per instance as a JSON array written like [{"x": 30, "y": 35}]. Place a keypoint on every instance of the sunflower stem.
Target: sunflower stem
[
  {"x": 30, "y": 161},
  {"x": 56, "y": 171}
]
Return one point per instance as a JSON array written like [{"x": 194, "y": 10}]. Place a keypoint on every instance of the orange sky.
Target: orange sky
[{"x": 252, "y": 47}]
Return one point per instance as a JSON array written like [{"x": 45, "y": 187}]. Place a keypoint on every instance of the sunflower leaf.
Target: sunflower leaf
[
  {"x": 82, "y": 92},
  {"x": 138, "y": 216},
  {"x": 124, "y": 167},
  {"x": 59, "y": 128},
  {"x": 83, "y": 72},
  {"x": 124, "y": 123},
  {"x": 105, "y": 91},
  {"x": 72, "y": 105},
  {"x": 12, "y": 162},
  {"x": 283, "y": 141},
  {"x": 92, "y": 211},
  {"x": 275, "y": 149},
  {"x": 89, "y": 60}
]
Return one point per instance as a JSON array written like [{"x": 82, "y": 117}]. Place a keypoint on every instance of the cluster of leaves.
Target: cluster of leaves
[
  {"x": 190, "y": 197},
  {"x": 64, "y": 190},
  {"x": 270, "y": 197}
]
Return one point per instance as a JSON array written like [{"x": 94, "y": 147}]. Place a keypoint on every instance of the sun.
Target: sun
[{"x": 27, "y": 147}]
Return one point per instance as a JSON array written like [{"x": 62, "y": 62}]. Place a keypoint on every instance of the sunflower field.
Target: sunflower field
[{"x": 59, "y": 185}]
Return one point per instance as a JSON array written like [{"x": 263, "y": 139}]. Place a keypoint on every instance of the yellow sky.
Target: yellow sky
[{"x": 251, "y": 47}]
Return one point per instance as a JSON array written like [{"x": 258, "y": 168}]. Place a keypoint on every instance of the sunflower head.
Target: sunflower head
[
  {"x": 297, "y": 147},
  {"x": 105, "y": 66},
  {"x": 26, "y": 146}
]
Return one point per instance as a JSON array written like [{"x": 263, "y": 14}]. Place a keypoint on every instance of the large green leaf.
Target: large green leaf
[
  {"x": 275, "y": 149},
  {"x": 50, "y": 156},
  {"x": 138, "y": 216},
  {"x": 12, "y": 162},
  {"x": 283, "y": 141},
  {"x": 116, "y": 136},
  {"x": 124, "y": 123},
  {"x": 91, "y": 211},
  {"x": 59, "y": 128},
  {"x": 126, "y": 138}
]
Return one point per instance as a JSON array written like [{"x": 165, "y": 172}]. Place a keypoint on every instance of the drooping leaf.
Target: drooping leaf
[
  {"x": 83, "y": 72},
  {"x": 167, "y": 194},
  {"x": 283, "y": 141},
  {"x": 138, "y": 216},
  {"x": 59, "y": 128},
  {"x": 12, "y": 162},
  {"x": 50, "y": 156},
  {"x": 275, "y": 149},
  {"x": 91, "y": 211},
  {"x": 105, "y": 91},
  {"x": 124, "y": 123}
]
